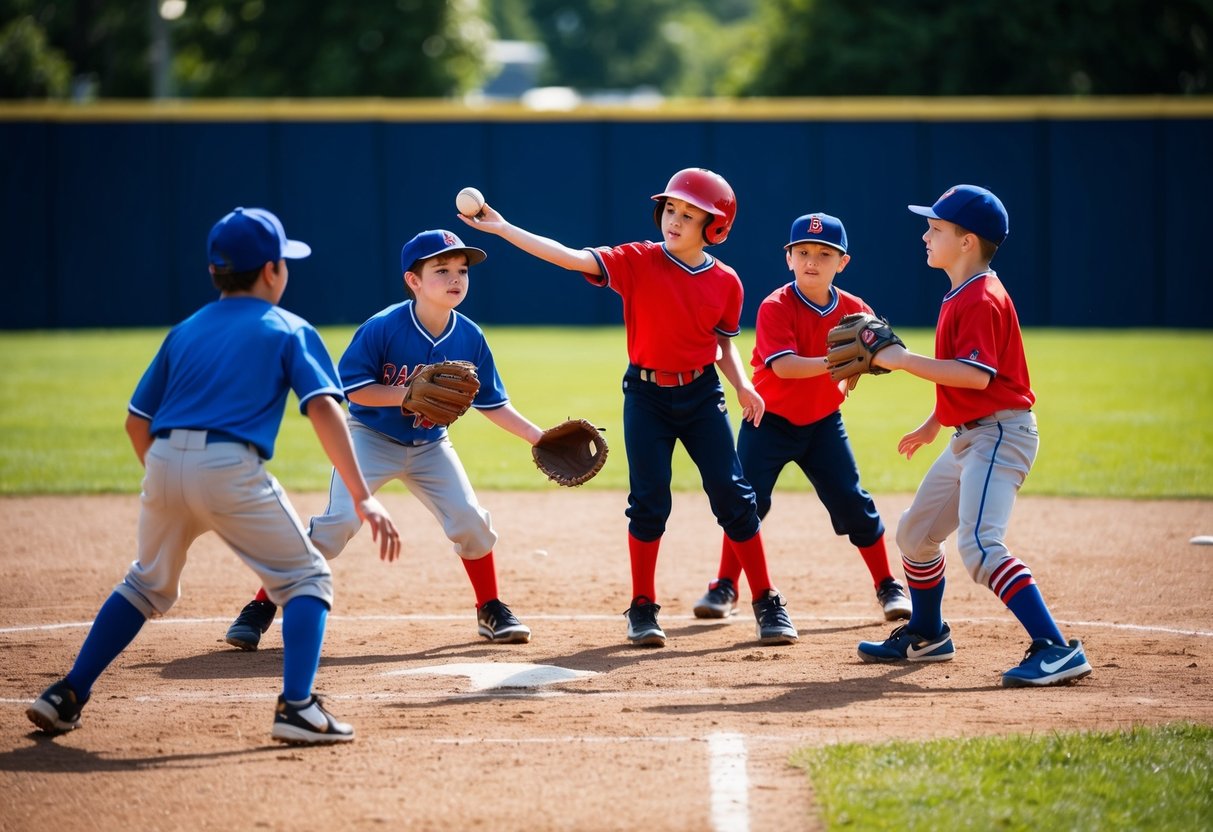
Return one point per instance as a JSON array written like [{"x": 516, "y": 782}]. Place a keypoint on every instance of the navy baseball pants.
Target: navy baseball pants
[
  {"x": 823, "y": 452},
  {"x": 695, "y": 414}
]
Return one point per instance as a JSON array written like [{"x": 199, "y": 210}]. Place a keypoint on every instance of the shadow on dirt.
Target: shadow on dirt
[{"x": 46, "y": 755}]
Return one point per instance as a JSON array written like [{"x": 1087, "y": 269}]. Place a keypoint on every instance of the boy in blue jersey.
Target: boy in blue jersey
[
  {"x": 392, "y": 445},
  {"x": 202, "y": 421}
]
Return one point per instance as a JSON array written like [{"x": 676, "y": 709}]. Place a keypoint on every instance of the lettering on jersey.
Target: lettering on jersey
[
  {"x": 391, "y": 378},
  {"x": 815, "y": 225},
  {"x": 973, "y": 355}
]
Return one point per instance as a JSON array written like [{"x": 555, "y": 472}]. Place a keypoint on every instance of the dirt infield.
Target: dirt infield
[{"x": 692, "y": 736}]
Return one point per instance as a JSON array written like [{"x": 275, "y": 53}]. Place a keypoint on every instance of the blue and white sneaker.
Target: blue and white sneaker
[
  {"x": 1048, "y": 663},
  {"x": 905, "y": 646}
]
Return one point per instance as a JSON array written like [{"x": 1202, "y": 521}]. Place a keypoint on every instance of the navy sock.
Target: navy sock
[
  {"x": 303, "y": 621},
  {"x": 1029, "y": 607},
  {"x": 927, "y": 617},
  {"x": 116, "y": 625}
]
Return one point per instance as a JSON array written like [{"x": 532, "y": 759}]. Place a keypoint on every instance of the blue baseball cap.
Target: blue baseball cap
[
  {"x": 248, "y": 238},
  {"x": 972, "y": 208},
  {"x": 429, "y": 244},
  {"x": 818, "y": 228}
]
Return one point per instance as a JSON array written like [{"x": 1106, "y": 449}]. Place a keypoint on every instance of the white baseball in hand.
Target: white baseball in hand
[{"x": 469, "y": 201}]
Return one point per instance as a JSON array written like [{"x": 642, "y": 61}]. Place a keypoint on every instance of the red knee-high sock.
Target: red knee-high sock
[
  {"x": 730, "y": 566},
  {"x": 877, "y": 560},
  {"x": 643, "y": 554},
  {"x": 754, "y": 562},
  {"x": 261, "y": 596},
  {"x": 483, "y": 574}
]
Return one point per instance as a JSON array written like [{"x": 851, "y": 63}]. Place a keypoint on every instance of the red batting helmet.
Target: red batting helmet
[{"x": 707, "y": 191}]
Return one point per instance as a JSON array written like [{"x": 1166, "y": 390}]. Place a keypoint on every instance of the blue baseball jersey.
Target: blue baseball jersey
[
  {"x": 392, "y": 343},
  {"x": 229, "y": 366}
]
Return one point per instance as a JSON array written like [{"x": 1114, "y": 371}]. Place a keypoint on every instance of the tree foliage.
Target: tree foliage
[
  {"x": 271, "y": 48},
  {"x": 317, "y": 48},
  {"x": 606, "y": 44},
  {"x": 438, "y": 48},
  {"x": 29, "y": 66},
  {"x": 982, "y": 47}
]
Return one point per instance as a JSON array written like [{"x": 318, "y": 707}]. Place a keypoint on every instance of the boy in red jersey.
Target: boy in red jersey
[
  {"x": 982, "y": 390},
  {"x": 803, "y": 423},
  {"x": 681, "y": 309}
]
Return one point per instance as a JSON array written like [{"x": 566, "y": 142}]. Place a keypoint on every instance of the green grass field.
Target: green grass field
[
  {"x": 1112, "y": 425},
  {"x": 1139, "y": 779}
]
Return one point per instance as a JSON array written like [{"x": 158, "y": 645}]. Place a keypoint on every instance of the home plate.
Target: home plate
[
  {"x": 1202, "y": 540},
  {"x": 491, "y": 675}
]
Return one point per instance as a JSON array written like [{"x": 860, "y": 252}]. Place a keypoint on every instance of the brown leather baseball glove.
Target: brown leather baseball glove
[
  {"x": 440, "y": 393},
  {"x": 571, "y": 453},
  {"x": 854, "y": 342}
]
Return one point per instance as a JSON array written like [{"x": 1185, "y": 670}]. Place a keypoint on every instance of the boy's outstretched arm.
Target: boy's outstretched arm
[
  {"x": 328, "y": 420},
  {"x": 945, "y": 371},
  {"x": 729, "y": 362},
  {"x": 509, "y": 419},
  {"x": 558, "y": 254}
]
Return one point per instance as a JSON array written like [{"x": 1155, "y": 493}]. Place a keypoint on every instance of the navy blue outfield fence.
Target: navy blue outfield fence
[{"x": 107, "y": 206}]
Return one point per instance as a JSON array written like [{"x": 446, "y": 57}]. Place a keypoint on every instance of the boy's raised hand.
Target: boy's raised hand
[{"x": 489, "y": 219}]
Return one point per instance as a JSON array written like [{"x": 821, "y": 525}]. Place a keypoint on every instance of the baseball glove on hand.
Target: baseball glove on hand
[
  {"x": 571, "y": 453},
  {"x": 854, "y": 342},
  {"x": 440, "y": 393}
]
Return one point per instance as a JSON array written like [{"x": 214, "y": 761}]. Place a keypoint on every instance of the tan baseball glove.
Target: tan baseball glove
[
  {"x": 854, "y": 342},
  {"x": 440, "y": 393},
  {"x": 571, "y": 453}
]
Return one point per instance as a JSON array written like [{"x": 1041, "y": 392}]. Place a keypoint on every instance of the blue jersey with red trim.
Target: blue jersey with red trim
[
  {"x": 392, "y": 343},
  {"x": 978, "y": 325},
  {"x": 672, "y": 312},
  {"x": 228, "y": 367},
  {"x": 791, "y": 324}
]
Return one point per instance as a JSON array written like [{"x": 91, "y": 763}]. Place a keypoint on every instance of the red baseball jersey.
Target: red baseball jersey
[
  {"x": 978, "y": 325},
  {"x": 791, "y": 324},
  {"x": 672, "y": 312}
]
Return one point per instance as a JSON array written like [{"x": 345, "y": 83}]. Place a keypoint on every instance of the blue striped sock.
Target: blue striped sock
[
  {"x": 1029, "y": 607},
  {"x": 927, "y": 616},
  {"x": 116, "y": 625},
  {"x": 303, "y": 621}
]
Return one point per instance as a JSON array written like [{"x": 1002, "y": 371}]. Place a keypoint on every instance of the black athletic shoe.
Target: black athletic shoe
[
  {"x": 254, "y": 619},
  {"x": 773, "y": 624},
  {"x": 643, "y": 630},
  {"x": 57, "y": 710},
  {"x": 309, "y": 724},
  {"x": 720, "y": 601},
  {"x": 894, "y": 602},
  {"x": 496, "y": 623}
]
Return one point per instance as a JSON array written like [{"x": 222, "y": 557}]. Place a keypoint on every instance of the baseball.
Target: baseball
[
  {"x": 540, "y": 554},
  {"x": 469, "y": 201}
]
